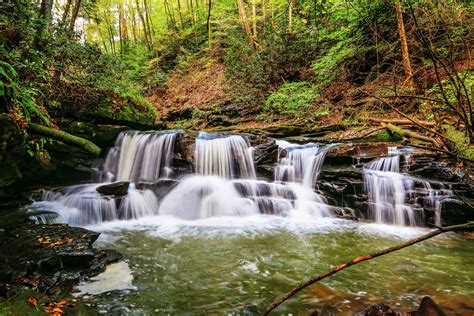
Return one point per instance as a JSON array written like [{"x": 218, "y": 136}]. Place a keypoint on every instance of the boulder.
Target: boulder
[
  {"x": 428, "y": 308},
  {"x": 115, "y": 189}
]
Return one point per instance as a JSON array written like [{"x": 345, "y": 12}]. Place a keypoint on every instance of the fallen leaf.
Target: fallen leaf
[
  {"x": 32, "y": 301},
  {"x": 57, "y": 243},
  {"x": 62, "y": 303}
]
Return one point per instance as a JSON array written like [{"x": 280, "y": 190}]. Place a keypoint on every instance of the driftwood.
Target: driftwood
[
  {"x": 455, "y": 228},
  {"x": 401, "y": 122},
  {"x": 405, "y": 133},
  {"x": 61, "y": 136}
]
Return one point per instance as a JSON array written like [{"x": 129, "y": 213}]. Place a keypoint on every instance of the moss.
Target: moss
[
  {"x": 383, "y": 136},
  {"x": 460, "y": 141}
]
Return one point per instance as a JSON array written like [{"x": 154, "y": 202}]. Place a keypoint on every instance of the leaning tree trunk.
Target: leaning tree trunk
[
  {"x": 403, "y": 41},
  {"x": 75, "y": 12}
]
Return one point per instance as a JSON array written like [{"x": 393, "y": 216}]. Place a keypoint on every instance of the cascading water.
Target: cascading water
[
  {"x": 301, "y": 164},
  {"x": 387, "y": 191},
  {"x": 225, "y": 183},
  {"x": 229, "y": 157},
  {"x": 393, "y": 195},
  {"x": 140, "y": 157}
]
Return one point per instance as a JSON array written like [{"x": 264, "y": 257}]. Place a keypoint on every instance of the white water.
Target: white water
[
  {"x": 229, "y": 157},
  {"x": 140, "y": 157},
  {"x": 392, "y": 194},
  {"x": 225, "y": 184},
  {"x": 302, "y": 163}
]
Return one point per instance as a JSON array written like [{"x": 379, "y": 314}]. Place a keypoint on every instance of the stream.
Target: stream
[{"x": 210, "y": 235}]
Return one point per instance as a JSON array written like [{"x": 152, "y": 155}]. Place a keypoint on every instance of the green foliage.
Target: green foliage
[
  {"x": 22, "y": 99},
  {"x": 290, "y": 98},
  {"x": 460, "y": 141}
]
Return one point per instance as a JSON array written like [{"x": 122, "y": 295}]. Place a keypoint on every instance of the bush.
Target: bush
[{"x": 290, "y": 98}]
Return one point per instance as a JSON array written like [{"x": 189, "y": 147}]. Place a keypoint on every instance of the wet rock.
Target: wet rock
[
  {"x": 161, "y": 188},
  {"x": 440, "y": 171},
  {"x": 265, "y": 150},
  {"x": 377, "y": 310},
  {"x": 346, "y": 153},
  {"x": 183, "y": 158},
  {"x": 50, "y": 258},
  {"x": 428, "y": 308},
  {"x": 454, "y": 211},
  {"x": 116, "y": 189}
]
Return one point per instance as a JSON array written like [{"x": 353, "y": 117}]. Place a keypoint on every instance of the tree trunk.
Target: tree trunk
[
  {"x": 243, "y": 17},
  {"x": 149, "y": 22},
  {"x": 46, "y": 10},
  {"x": 404, "y": 133},
  {"x": 254, "y": 19},
  {"x": 66, "y": 13},
  {"x": 290, "y": 15},
  {"x": 75, "y": 12},
  {"x": 64, "y": 137},
  {"x": 181, "y": 15},
  {"x": 146, "y": 37},
  {"x": 134, "y": 24},
  {"x": 403, "y": 41}
]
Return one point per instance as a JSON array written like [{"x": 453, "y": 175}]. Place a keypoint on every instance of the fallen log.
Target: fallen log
[
  {"x": 402, "y": 122},
  {"x": 64, "y": 137},
  {"x": 61, "y": 136},
  {"x": 455, "y": 228},
  {"x": 404, "y": 133}
]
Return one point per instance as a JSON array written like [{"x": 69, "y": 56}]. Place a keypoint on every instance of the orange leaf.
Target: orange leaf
[
  {"x": 62, "y": 303},
  {"x": 57, "y": 310},
  {"x": 32, "y": 301},
  {"x": 58, "y": 243}
]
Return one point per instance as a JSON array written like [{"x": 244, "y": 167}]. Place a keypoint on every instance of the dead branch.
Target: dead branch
[
  {"x": 404, "y": 115},
  {"x": 404, "y": 133},
  {"x": 455, "y": 228},
  {"x": 400, "y": 122}
]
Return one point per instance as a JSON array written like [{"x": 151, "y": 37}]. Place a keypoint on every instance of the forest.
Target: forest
[{"x": 216, "y": 154}]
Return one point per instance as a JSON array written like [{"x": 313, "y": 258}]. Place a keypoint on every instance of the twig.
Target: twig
[{"x": 463, "y": 227}]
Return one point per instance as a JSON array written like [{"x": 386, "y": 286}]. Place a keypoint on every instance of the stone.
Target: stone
[
  {"x": 428, "y": 308},
  {"x": 161, "y": 188},
  {"x": 377, "y": 310},
  {"x": 116, "y": 189}
]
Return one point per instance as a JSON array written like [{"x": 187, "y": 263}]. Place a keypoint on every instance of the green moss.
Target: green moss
[
  {"x": 460, "y": 141},
  {"x": 383, "y": 136}
]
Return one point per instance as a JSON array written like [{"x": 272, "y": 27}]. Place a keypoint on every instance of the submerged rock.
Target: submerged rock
[
  {"x": 427, "y": 308},
  {"x": 378, "y": 310}
]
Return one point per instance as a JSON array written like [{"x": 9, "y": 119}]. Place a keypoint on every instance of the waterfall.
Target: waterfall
[
  {"x": 225, "y": 183},
  {"x": 301, "y": 164},
  {"x": 78, "y": 205},
  {"x": 387, "y": 190},
  {"x": 140, "y": 157},
  {"x": 398, "y": 199},
  {"x": 226, "y": 156}
]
